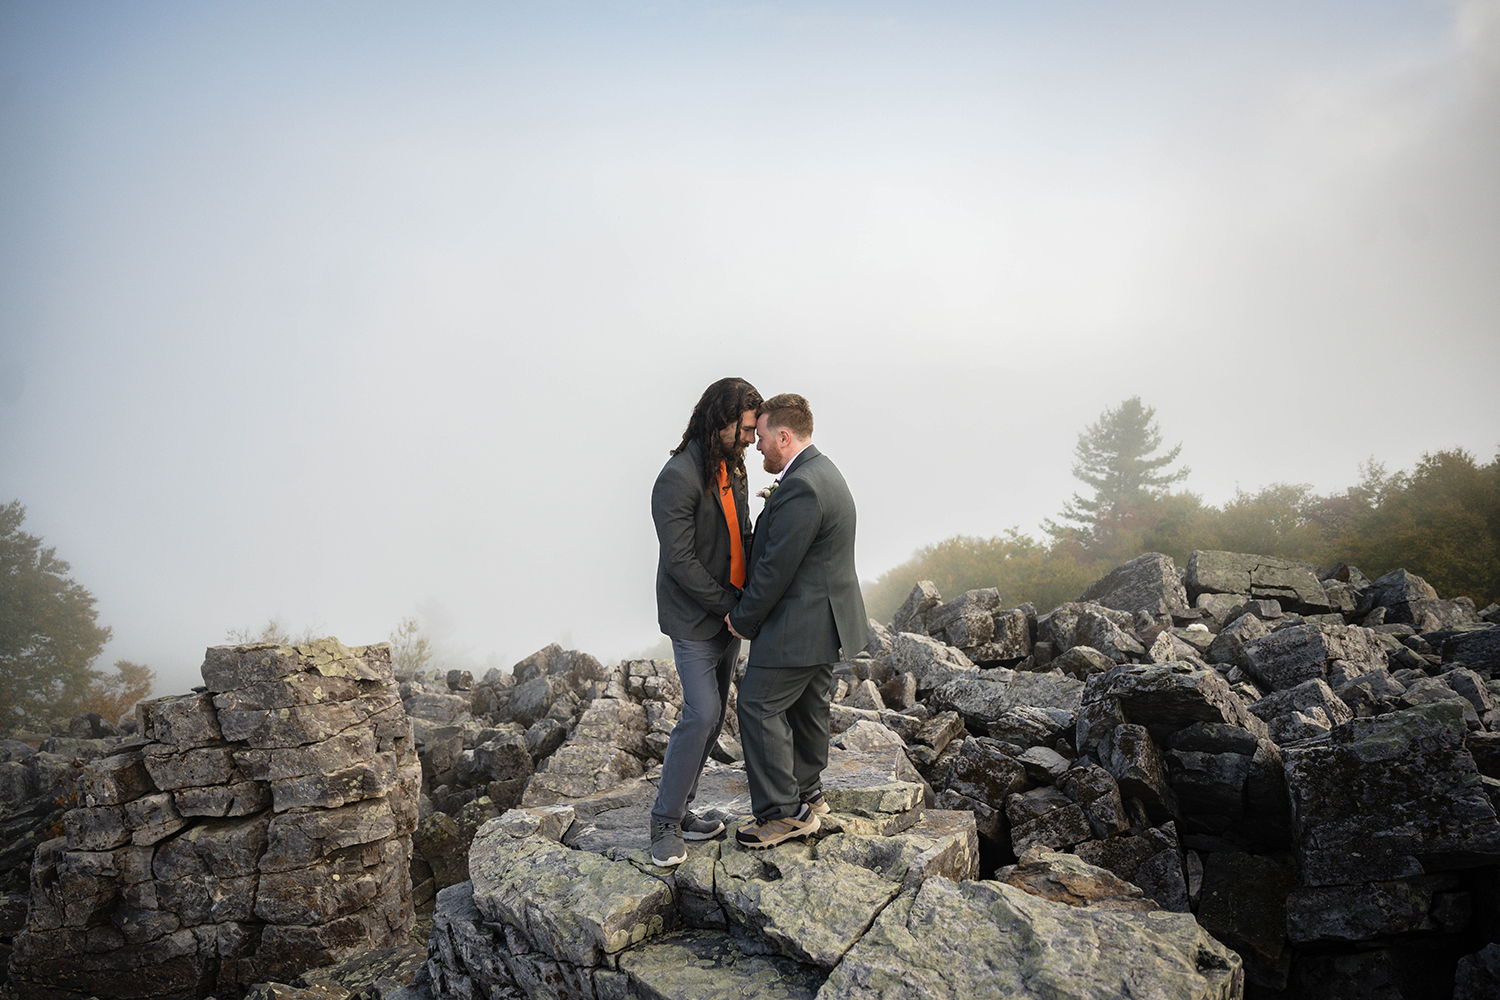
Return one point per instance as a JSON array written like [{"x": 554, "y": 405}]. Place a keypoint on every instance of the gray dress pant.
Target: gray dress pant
[
  {"x": 783, "y": 715},
  {"x": 705, "y": 668}
]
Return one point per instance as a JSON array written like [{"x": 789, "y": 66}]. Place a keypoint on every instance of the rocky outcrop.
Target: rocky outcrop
[
  {"x": 1291, "y": 758},
  {"x": 849, "y": 915},
  {"x": 1249, "y": 777},
  {"x": 255, "y": 829}
]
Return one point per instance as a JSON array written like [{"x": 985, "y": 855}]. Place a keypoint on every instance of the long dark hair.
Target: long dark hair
[{"x": 720, "y": 405}]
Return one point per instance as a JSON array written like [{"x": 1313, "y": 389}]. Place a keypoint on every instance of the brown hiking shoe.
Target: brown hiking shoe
[
  {"x": 756, "y": 836},
  {"x": 818, "y": 804}
]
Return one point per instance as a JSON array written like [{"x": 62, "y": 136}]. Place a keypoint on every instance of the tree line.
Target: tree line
[
  {"x": 50, "y": 638},
  {"x": 1439, "y": 520}
]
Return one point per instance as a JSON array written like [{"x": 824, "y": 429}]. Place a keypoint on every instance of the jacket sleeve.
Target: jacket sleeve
[
  {"x": 674, "y": 505},
  {"x": 747, "y": 529},
  {"x": 787, "y": 530}
]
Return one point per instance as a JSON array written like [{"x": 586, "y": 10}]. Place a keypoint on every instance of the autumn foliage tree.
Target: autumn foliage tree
[
  {"x": 1441, "y": 521},
  {"x": 49, "y": 635},
  {"x": 114, "y": 695}
]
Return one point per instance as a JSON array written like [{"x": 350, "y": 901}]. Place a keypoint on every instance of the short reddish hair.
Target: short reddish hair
[{"x": 791, "y": 411}]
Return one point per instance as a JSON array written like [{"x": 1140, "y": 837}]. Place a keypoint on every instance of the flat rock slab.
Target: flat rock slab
[
  {"x": 875, "y": 792},
  {"x": 1254, "y": 576},
  {"x": 575, "y": 906},
  {"x": 872, "y": 783},
  {"x": 709, "y": 966},
  {"x": 986, "y": 698},
  {"x": 810, "y": 909},
  {"x": 988, "y": 939},
  {"x": 846, "y": 903},
  {"x": 617, "y": 822}
]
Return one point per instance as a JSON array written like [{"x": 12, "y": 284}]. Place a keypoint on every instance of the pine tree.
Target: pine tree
[{"x": 1116, "y": 456}]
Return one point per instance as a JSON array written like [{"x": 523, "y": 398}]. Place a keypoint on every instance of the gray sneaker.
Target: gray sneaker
[
  {"x": 695, "y": 827},
  {"x": 667, "y": 848}
]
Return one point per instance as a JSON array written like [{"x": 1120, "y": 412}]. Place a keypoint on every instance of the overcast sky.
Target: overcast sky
[{"x": 343, "y": 312}]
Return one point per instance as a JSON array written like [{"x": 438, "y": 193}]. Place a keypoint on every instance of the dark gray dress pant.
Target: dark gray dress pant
[{"x": 783, "y": 714}]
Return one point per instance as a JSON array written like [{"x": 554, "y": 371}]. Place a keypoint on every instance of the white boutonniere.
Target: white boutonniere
[{"x": 765, "y": 494}]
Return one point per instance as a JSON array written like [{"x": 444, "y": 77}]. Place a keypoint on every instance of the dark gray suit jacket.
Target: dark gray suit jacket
[
  {"x": 802, "y": 601},
  {"x": 693, "y": 591}
]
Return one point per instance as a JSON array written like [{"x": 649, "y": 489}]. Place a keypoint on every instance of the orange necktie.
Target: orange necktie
[{"x": 732, "y": 517}]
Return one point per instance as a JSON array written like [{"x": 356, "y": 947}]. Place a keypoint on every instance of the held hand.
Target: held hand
[{"x": 731, "y": 628}]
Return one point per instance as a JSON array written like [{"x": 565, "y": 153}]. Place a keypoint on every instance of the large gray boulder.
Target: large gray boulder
[
  {"x": 1153, "y": 861},
  {"x": 1045, "y": 818},
  {"x": 967, "y": 621},
  {"x": 1295, "y": 585},
  {"x": 1338, "y": 914},
  {"x": 1166, "y": 697},
  {"x": 931, "y": 661},
  {"x": 1228, "y": 645},
  {"x": 1150, "y": 583},
  {"x": 1309, "y": 694},
  {"x": 1292, "y": 654},
  {"x": 607, "y": 748},
  {"x": 1390, "y": 797},
  {"x": 976, "y": 623},
  {"x": 1135, "y": 762},
  {"x": 1244, "y": 905},
  {"x": 980, "y": 775},
  {"x": 1398, "y": 589},
  {"x": 1478, "y": 649},
  {"x": 911, "y": 615},
  {"x": 985, "y": 698},
  {"x": 1092, "y": 625}
]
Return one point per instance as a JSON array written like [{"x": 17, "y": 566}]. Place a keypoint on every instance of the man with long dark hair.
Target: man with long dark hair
[{"x": 700, "y": 504}]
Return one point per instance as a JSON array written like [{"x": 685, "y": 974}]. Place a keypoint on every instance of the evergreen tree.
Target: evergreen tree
[
  {"x": 48, "y": 635},
  {"x": 1116, "y": 457}
]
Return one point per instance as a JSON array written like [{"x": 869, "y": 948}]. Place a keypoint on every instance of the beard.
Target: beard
[
  {"x": 733, "y": 455},
  {"x": 772, "y": 462}
]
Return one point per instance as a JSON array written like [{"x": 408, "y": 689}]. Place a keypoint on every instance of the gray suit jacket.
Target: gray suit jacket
[
  {"x": 802, "y": 601},
  {"x": 693, "y": 591}
]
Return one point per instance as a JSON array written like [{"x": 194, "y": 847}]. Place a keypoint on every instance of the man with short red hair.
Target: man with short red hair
[{"x": 801, "y": 606}]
